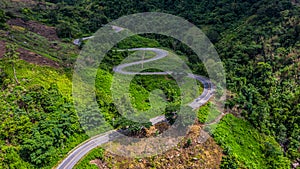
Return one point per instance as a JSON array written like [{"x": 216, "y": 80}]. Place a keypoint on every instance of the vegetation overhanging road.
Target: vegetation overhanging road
[{"x": 80, "y": 151}]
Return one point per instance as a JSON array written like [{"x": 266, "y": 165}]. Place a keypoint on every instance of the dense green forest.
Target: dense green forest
[{"x": 258, "y": 42}]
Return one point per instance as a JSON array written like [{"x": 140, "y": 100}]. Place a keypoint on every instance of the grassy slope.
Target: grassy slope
[
  {"x": 55, "y": 50},
  {"x": 251, "y": 148},
  {"x": 30, "y": 74}
]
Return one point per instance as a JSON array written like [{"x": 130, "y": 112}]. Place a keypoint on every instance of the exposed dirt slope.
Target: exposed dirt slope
[
  {"x": 34, "y": 58},
  {"x": 197, "y": 155},
  {"x": 43, "y": 30},
  {"x": 30, "y": 57}
]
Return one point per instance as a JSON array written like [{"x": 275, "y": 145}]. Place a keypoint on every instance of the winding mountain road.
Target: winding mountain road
[{"x": 81, "y": 150}]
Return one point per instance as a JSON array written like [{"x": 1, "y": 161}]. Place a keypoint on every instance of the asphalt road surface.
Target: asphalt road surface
[{"x": 81, "y": 150}]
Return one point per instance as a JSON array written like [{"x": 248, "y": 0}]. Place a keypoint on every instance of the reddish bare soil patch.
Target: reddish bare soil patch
[
  {"x": 33, "y": 26},
  {"x": 29, "y": 56},
  {"x": 2, "y": 49},
  {"x": 32, "y": 57}
]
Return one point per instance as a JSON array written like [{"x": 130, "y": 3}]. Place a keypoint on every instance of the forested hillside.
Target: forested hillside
[{"x": 258, "y": 42}]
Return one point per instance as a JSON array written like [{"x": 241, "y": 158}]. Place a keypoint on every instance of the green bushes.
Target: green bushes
[
  {"x": 3, "y": 19},
  {"x": 229, "y": 162},
  {"x": 245, "y": 147},
  {"x": 38, "y": 122}
]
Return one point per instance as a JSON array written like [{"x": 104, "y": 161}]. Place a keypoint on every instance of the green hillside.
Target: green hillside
[{"x": 258, "y": 42}]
